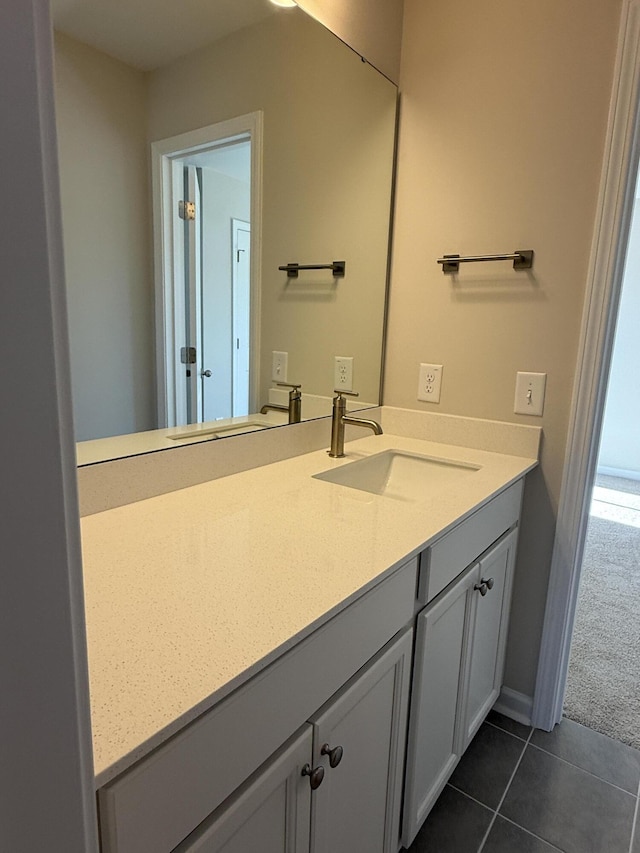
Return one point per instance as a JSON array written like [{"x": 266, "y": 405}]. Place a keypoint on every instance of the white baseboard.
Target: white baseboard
[
  {"x": 516, "y": 706},
  {"x": 618, "y": 472}
]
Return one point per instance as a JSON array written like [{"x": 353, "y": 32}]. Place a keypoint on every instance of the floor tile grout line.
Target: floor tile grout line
[
  {"x": 473, "y": 799},
  {"x": 634, "y": 825},
  {"x": 504, "y": 793},
  {"x": 588, "y": 772},
  {"x": 506, "y": 732},
  {"x": 532, "y": 834}
]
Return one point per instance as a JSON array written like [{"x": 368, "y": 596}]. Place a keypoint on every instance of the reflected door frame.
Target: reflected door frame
[{"x": 169, "y": 269}]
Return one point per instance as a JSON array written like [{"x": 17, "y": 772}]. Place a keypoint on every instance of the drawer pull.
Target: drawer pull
[
  {"x": 315, "y": 776},
  {"x": 481, "y": 587},
  {"x": 335, "y": 754},
  {"x": 489, "y": 582}
]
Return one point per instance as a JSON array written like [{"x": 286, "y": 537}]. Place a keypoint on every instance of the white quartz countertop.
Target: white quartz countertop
[{"x": 190, "y": 593}]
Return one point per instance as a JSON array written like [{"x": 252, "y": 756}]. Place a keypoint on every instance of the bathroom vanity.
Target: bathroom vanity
[{"x": 261, "y": 645}]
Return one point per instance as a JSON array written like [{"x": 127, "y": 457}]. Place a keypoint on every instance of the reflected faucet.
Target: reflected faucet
[
  {"x": 294, "y": 409},
  {"x": 338, "y": 420}
]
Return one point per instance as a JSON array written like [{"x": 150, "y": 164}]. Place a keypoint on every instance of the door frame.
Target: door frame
[
  {"x": 168, "y": 265},
  {"x": 604, "y": 285}
]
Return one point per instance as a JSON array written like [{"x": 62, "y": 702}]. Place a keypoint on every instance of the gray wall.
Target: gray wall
[
  {"x": 104, "y": 172},
  {"x": 47, "y": 800}
]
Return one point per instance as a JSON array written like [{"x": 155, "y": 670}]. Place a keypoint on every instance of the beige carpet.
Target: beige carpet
[{"x": 603, "y": 689}]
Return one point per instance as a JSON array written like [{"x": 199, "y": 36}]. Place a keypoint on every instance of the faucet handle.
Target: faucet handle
[
  {"x": 341, "y": 392},
  {"x": 288, "y": 385}
]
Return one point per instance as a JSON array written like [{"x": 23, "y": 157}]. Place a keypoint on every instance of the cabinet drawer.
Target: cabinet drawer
[
  {"x": 443, "y": 561},
  {"x": 155, "y": 805}
]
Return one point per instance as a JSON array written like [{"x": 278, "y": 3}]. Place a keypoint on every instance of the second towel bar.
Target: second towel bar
[
  {"x": 522, "y": 260},
  {"x": 337, "y": 267}
]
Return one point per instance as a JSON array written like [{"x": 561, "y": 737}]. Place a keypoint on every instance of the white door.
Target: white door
[
  {"x": 224, "y": 288},
  {"x": 217, "y": 276},
  {"x": 241, "y": 327},
  {"x": 193, "y": 278}
]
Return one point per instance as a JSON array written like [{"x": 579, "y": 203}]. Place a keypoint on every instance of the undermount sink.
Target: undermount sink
[{"x": 399, "y": 474}]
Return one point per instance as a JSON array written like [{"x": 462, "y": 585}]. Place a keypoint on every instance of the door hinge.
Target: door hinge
[
  {"x": 187, "y": 210},
  {"x": 188, "y": 355}
]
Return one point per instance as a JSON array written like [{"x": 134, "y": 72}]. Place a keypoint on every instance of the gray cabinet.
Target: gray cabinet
[
  {"x": 459, "y": 662},
  {"x": 488, "y": 637},
  {"x": 152, "y": 807},
  {"x": 357, "y": 807},
  {"x": 270, "y": 813},
  {"x": 438, "y": 680},
  {"x": 362, "y": 732},
  {"x": 232, "y": 781}
]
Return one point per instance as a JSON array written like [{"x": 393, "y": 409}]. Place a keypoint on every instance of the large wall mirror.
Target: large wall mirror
[{"x": 203, "y": 146}]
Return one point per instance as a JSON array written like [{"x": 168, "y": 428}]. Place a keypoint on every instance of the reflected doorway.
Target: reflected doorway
[{"x": 205, "y": 207}]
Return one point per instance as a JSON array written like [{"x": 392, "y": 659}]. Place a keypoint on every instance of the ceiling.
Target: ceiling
[{"x": 149, "y": 33}]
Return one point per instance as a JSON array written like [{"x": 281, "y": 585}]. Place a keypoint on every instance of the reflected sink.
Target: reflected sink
[
  {"x": 399, "y": 474},
  {"x": 226, "y": 429}
]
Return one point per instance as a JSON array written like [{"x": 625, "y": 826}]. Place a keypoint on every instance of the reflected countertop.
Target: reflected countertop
[
  {"x": 132, "y": 444},
  {"x": 190, "y": 593}
]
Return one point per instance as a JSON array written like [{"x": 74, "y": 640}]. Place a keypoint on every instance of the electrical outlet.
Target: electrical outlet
[
  {"x": 279, "y": 366},
  {"x": 343, "y": 372},
  {"x": 530, "y": 388},
  {"x": 430, "y": 382}
]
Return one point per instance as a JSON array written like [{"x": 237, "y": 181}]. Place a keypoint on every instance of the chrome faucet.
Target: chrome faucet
[
  {"x": 294, "y": 409},
  {"x": 338, "y": 420}
]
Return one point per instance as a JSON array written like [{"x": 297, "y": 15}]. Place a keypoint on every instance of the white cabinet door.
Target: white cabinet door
[
  {"x": 357, "y": 806},
  {"x": 438, "y": 679},
  {"x": 488, "y": 637},
  {"x": 269, "y": 814}
]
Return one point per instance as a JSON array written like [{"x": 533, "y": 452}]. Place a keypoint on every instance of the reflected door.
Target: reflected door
[
  {"x": 217, "y": 282},
  {"x": 241, "y": 297},
  {"x": 193, "y": 281}
]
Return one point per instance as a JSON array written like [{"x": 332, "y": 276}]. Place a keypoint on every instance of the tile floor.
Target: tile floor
[{"x": 519, "y": 790}]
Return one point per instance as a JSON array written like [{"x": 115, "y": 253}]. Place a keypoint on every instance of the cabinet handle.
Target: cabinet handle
[
  {"x": 481, "y": 587},
  {"x": 335, "y": 754},
  {"x": 489, "y": 582},
  {"x": 315, "y": 776}
]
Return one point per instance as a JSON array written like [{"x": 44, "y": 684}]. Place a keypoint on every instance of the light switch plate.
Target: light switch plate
[{"x": 530, "y": 388}]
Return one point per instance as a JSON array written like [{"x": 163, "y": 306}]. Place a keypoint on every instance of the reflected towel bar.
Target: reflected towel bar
[
  {"x": 522, "y": 260},
  {"x": 337, "y": 267}
]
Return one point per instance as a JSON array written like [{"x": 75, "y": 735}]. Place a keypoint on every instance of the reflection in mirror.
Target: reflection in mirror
[{"x": 283, "y": 139}]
